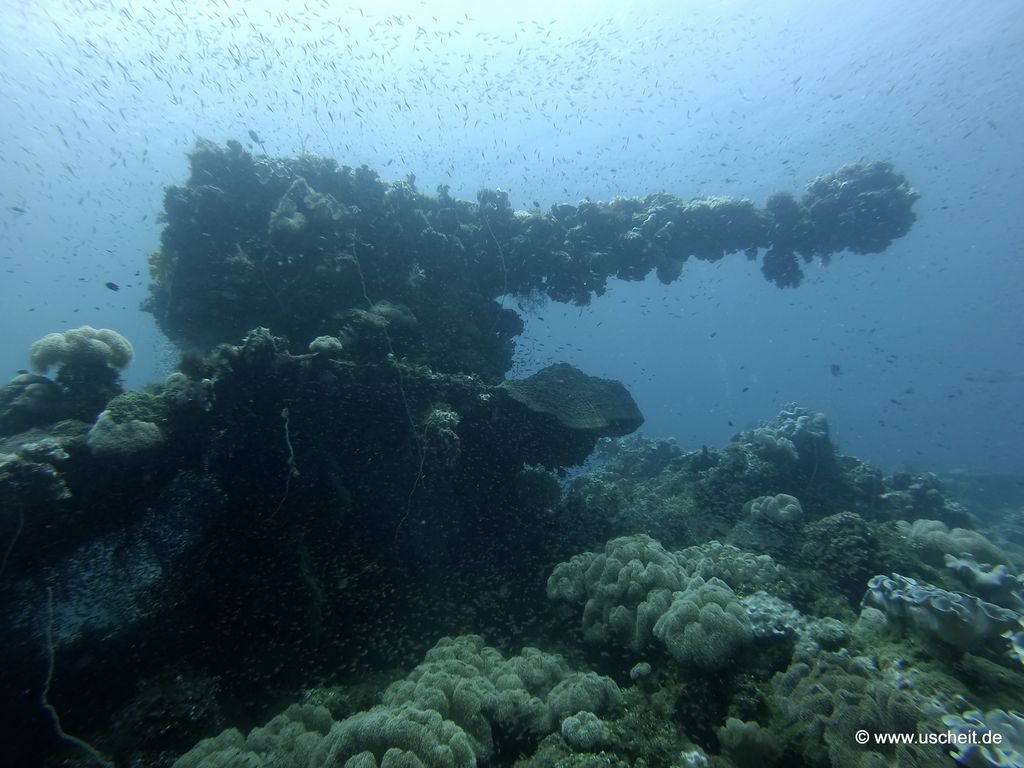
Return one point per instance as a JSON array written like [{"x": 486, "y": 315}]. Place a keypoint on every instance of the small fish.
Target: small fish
[
  {"x": 836, "y": 369},
  {"x": 113, "y": 286},
  {"x": 16, "y": 209},
  {"x": 255, "y": 137}
]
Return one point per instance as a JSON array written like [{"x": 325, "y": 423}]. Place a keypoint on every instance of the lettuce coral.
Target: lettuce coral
[
  {"x": 953, "y": 618},
  {"x": 979, "y": 726}
]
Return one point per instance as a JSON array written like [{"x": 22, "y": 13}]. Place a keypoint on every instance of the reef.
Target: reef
[{"x": 337, "y": 535}]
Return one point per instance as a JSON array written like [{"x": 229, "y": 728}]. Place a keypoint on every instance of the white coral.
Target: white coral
[{"x": 82, "y": 346}]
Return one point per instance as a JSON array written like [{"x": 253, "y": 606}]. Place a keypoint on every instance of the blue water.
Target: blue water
[{"x": 102, "y": 101}]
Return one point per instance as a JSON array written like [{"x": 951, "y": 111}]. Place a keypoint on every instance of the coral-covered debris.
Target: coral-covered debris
[{"x": 302, "y": 246}]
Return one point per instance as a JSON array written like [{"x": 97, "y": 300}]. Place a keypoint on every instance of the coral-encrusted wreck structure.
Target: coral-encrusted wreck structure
[{"x": 307, "y": 248}]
